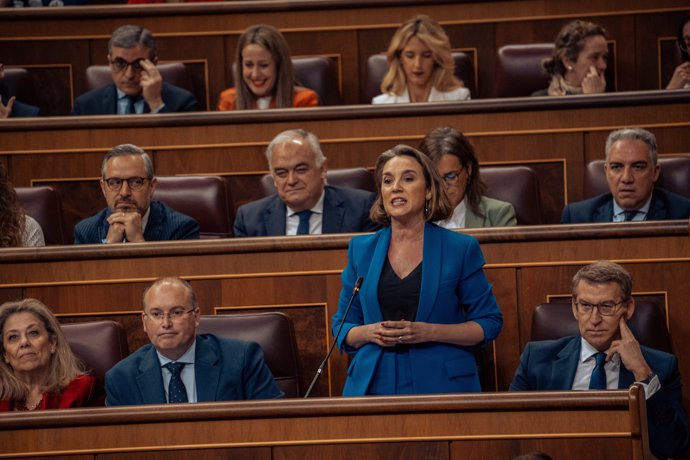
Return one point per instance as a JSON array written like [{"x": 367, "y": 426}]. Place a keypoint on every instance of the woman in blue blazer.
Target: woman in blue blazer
[{"x": 425, "y": 301}]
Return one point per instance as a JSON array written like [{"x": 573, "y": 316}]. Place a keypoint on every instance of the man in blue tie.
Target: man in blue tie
[
  {"x": 137, "y": 85},
  {"x": 180, "y": 365},
  {"x": 631, "y": 173},
  {"x": 606, "y": 356},
  {"x": 303, "y": 204}
]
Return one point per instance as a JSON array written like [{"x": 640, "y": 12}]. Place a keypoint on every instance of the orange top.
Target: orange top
[{"x": 302, "y": 97}]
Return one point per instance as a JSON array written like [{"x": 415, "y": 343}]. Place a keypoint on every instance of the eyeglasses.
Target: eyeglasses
[
  {"x": 605, "y": 309},
  {"x": 134, "y": 183},
  {"x": 452, "y": 177},
  {"x": 121, "y": 65},
  {"x": 175, "y": 314}
]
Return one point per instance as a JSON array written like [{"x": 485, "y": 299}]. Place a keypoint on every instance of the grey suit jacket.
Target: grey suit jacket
[{"x": 345, "y": 210}]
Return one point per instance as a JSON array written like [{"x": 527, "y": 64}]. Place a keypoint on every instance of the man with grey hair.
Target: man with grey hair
[
  {"x": 631, "y": 171},
  {"x": 303, "y": 204},
  {"x": 606, "y": 355},
  {"x": 137, "y": 84},
  {"x": 128, "y": 182}
]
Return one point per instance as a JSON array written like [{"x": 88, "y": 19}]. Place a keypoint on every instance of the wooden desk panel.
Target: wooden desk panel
[{"x": 458, "y": 426}]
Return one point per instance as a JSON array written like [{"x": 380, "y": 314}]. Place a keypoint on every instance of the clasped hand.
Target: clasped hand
[
  {"x": 391, "y": 333},
  {"x": 125, "y": 225}
]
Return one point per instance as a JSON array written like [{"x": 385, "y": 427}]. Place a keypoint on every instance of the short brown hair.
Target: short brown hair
[
  {"x": 603, "y": 272},
  {"x": 439, "y": 204}
]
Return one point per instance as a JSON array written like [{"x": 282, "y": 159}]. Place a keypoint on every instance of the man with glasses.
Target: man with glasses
[
  {"x": 606, "y": 356},
  {"x": 137, "y": 84},
  {"x": 631, "y": 171},
  {"x": 180, "y": 365},
  {"x": 128, "y": 183}
]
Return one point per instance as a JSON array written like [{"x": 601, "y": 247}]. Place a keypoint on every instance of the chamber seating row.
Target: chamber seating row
[{"x": 209, "y": 199}]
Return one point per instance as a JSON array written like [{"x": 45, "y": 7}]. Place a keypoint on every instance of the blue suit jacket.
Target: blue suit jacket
[
  {"x": 665, "y": 205},
  {"x": 224, "y": 370},
  {"x": 103, "y": 101},
  {"x": 345, "y": 210},
  {"x": 551, "y": 365},
  {"x": 164, "y": 224},
  {"x": 20, "y": 109},
  {"x": 454, "y": 290}
]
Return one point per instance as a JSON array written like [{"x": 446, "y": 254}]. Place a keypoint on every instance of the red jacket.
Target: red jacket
[{"x": 81, "y": 392}]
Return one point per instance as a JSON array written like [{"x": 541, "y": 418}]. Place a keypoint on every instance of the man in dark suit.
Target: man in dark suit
[
  {"x": 304, "y": 203},
  {"x": 128, "y": 183},
  {"x": 10, "y": 107},
  {"x": 137, "y": 84},
  {"x": 182, "y": 366},
  {"x": 631, "y": 171},
  {"x": 606, "y": 356}
]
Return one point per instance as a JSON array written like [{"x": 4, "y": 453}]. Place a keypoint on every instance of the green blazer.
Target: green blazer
[{"x": 497, "y": 213}]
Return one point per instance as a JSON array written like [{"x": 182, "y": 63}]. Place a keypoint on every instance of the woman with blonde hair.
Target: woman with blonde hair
[
  {"x": 420, "y": 66},
  {"x": 263, "y": 74},
  {"x": 38, "y": 369}
]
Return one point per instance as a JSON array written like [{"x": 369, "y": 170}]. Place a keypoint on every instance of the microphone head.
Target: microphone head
[{"x": 358, "y": 283}]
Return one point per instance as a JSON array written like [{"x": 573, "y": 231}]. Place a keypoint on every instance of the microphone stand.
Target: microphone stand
[{"x": 319, "y": 371}]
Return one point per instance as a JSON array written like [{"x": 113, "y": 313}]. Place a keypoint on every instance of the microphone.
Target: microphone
[{"x": 319, "y": 371}]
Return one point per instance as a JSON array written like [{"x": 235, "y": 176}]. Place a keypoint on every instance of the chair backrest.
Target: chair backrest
[
  {"x": 320, "y": 74},
  {"x": 273, "y": 331},
  {"x": 17, "y": 82},
  {"x": 43, "y": 204},
  {"x": 174, "y": 73},
  {"x": 360, "y": 178},
  {"x": 554, "y": 320},
  {"x": 377, "y": 66},
  {"x": 519, "y": 71},
  {"x": 98, "y": 344},
  {"x": 674, "y": 176},
  {"x": 202, "y": 197},
  {"x": 518, "y": 185}
]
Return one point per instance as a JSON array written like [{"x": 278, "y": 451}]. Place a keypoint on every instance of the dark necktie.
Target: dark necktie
[
  {"x": 177, "y": 393},
  {"x": 598, "y": 379},
  {"x": 130, "y": 104},
  {"x": 629, "y": 215},
  {"x": 303, "y": 227}
]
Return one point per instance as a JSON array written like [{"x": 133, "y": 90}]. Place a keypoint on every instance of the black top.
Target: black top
[{"x": 399, "y": 298}]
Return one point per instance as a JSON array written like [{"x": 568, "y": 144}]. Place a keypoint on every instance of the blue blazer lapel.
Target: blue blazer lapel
[
  {"x": 274, "y": 217},
  {"x": 431, "y": 270},
  {"x": 657, "y": 209},
  {"x": 155, "y": 226},
  {"x": 150, "y": 379},
  {"x": 625, "y": 377},
  {"x": 604, "y": 213},
  {"x": 109, "y": 100},
  {"x": 333, "y": 212},
  {"x": 206, "y": 370},
  {"x": 370, "y": 299},
  {"x": 563, "y": 369}
]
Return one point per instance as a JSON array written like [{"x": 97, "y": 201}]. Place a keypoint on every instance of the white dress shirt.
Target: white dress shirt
[{"x": 315, "y": 220}]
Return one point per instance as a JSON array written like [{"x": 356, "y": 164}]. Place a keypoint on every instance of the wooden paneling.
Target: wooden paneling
[
  {"x": 350, "y": 30},
  {"x": 449, "y": 427}
]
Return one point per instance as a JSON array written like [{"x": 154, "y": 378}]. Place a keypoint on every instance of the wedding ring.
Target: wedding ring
[{"x": 400, "y": 338}]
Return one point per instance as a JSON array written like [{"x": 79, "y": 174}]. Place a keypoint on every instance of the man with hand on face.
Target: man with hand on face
[
  {"x": 179, "y": 365},
  {"x": 631, "y": 171},
  {"x": 137, "y": 84},
  {"x": 304, "y": 204},
  {"x": 128, "y": 183},
  {"x": 606, "y": 355}
]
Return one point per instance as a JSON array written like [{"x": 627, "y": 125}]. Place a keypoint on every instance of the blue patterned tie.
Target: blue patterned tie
[
  {"x": 303, "y": 227},
  {"x": 177, "y": 393},
  {"x": 598, "y": 379},
  {"x": 629, "y": 215}
]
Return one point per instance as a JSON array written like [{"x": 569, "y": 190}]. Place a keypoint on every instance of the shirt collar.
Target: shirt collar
[
  {"x": 316, "y": 209},
  {"x": 187, "y": 357},
  {"x": 587, "y": 351},
  {"x": 644, "y": 209}
]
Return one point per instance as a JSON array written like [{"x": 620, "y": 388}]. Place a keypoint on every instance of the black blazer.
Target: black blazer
[
  {"x": 103, "y": 101},
  {"x": 665, "y": 205}
]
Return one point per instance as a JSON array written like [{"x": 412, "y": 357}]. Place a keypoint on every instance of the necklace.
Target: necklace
[{"x": 28, "y": 406}]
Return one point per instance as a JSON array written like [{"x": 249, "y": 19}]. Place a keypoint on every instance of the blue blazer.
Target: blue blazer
[
  {"x": 551, "y": 365},
  {"x": 345, "y": 210},
  {"x": 224, "y": 370},
  {"x": 454, "y": 290},
  {"x": 164, "y": 224},
  {"x": 20, "y": 109},
  {"x": 103, "y": 101},
  {"x": 665, "y": 205}
]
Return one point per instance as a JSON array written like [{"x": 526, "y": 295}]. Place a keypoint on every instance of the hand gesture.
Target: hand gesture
[
  {"x": 629, "y": 351},
  {"x": 392, "y": 333},
  {"x": 681, "y": 77},
  {"x": 151, "y": 84},
  {"x": 6, "y": 110},
  {"x": 593, "y": 83},
  {"x": 125, "y": 224}
]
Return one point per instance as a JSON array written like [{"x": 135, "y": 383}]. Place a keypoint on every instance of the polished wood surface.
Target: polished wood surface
[
  {"x": 59, "y": 44},
  {"x": 500, "y": 425}
]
